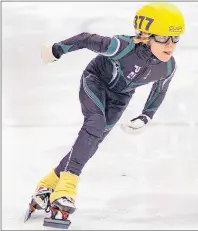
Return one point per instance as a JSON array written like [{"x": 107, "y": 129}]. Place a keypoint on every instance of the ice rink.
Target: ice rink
[{"x": 146, "y": 181}]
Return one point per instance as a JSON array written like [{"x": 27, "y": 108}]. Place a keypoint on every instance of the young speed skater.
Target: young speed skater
[{"x": 106, "y": 87}]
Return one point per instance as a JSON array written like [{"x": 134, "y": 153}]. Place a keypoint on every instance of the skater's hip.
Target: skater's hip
[{"x": 98, "y": 79}]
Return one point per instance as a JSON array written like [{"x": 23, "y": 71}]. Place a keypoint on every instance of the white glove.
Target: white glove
[
  {"x": 47, "y": 55},
  {"x": 135, "y": 125}
]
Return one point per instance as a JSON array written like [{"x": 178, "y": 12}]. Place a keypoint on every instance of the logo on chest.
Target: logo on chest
[
  {"x": 132, "y": 74},
  {"x": 145, "y": 77}
]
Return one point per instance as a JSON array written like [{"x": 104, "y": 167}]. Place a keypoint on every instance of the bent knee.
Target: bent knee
[{"x": 95, "y": 124}]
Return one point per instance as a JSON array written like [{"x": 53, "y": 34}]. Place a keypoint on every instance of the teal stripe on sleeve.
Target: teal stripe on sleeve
[
  {"x": 65, "y": 47},
  {"x": 113, "y": 46},
  {"x": 125, "y": 51}
]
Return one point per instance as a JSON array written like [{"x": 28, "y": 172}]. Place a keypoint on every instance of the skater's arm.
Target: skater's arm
[
  {"x": 104, "y": 45},
  {"x": 157, "y": 95}
]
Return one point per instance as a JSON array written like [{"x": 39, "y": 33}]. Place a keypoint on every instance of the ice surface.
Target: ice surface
[{"x": 149, "y": 181}]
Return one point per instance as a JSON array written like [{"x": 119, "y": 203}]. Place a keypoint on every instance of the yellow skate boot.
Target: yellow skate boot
[
  {"x": 40, "y": 198},
  {"x": 44, "y": 188},
  {"x": 64, "y": 196}
]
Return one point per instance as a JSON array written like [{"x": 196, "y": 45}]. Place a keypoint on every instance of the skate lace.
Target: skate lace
[{"x": 45, "y": 198}]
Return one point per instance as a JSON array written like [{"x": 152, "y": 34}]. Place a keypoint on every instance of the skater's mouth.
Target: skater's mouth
[{"x": 167, "y": 52}]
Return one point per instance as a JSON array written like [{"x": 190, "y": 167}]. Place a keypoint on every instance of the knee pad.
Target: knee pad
[{"x": 95, "y": 125}]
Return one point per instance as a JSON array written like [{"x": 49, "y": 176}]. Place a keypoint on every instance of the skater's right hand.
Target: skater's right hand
[
  {"x": 47, "y": 55},
  {"x": 135, "y": 125}
]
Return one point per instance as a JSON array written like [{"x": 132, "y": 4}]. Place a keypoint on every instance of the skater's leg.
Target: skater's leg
[
  {"x": 61, "y": 166},
  {"x": 92, "y": 97},
  {"x": 86, "y": 142}
]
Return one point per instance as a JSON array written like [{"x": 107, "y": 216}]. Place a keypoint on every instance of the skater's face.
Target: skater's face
[{"x": 163, "y": 51}]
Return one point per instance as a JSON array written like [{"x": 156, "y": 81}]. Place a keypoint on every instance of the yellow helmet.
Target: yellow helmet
[{"x": 160, "y": 18}]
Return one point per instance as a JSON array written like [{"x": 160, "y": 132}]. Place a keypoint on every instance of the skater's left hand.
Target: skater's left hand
[
  {"x": 47, "y": 55},
  {"x": 135, "y": 124}
]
